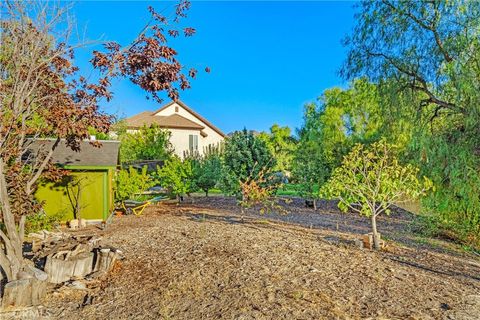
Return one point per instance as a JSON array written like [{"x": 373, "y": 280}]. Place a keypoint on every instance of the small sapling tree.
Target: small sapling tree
[
  {"x": 74, "y": 189},
  {"x": 259, "y": 190},
  {"x": 131, "y": 183},
  {"x": 208, "y": 169},
  {"x": 177, "y": 176},
  {"x": 370, "y": 180}
]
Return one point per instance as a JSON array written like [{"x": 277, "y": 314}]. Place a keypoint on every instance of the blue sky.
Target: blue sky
[{"x": 267, "y": 59}]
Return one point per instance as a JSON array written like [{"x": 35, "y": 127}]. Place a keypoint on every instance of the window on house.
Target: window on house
[{"x": 193, "y": 142}]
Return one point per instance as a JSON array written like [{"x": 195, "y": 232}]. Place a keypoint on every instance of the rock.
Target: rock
[
  {"x": 73, "y": 224},
  {"x": 77, "y": 285},
  {"x": 82, "y": 223},
  {"x": 24, "y": 293},
  {"x": 358, "y": 243},
  {"x": 312, "y": 269}
]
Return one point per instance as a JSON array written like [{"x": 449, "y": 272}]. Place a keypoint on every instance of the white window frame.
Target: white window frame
[{"x": 193, "y": 142}]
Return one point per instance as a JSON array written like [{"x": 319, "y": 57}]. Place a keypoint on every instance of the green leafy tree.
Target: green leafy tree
[
  {"x": 281, "y": 144},
  {"x": 131, "y": 183},
  {"x": 347, "y": 116},
  {"x": 177, "y": 176},
  {"x": 148, "y": 143},
  {"x": 370, "y": 180},
  {"x": 245, "y": 156},
  {"x": 310, "y": 168},
  {"x": 341, "y": 118},
  {"x": 207, "y": 170},
  {"x": 430, "y": 50}
]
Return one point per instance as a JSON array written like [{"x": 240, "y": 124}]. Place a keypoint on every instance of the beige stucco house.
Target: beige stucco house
[{"x": 189, "y": 131}]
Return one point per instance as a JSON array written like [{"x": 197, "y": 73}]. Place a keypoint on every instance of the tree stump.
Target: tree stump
[
  {"x": 61, "y": 268},
  {"x": 105, "y": 260},
  {"x": 24, "y": 293}
]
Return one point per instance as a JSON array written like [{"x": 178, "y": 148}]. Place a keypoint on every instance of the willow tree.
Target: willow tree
[
  {"x": 42, "y": 95},
  {"x": 281, "y": 144},
  {"x": 432, "y": 50}
]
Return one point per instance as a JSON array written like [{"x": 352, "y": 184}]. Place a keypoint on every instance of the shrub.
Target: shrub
[
  {"x": 207, "y": 170},
  {"x": 257, "y": 191},
  {"x": 131, "y": 183},
  {"x": 42, "y": 221},
  {"x": 245, "y": 156},
  {"x": 177, "y": 176}
]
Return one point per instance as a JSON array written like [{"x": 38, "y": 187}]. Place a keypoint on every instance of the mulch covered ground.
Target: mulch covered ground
[{"x": 205, "y": 261}]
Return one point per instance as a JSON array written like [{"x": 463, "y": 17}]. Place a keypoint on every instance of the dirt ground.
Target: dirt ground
[{"x": 204, "y": 261}]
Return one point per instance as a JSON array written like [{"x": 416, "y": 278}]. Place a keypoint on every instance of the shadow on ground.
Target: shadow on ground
[{"x": 342, "y": 229}]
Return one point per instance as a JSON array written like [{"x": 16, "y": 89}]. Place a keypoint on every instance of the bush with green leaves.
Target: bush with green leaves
[
  {"x": 245, "y": 156},
  {"x": 41, "y": 221},
  {"x": 131, "y": 183},
  {"x": 207, "y": 169},
  {"x": 147, "y": 143},
  {"x": 370, "y": 180},
  {"x": 177, "y": 176}
]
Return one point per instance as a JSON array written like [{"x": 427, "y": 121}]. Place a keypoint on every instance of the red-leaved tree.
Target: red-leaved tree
[{"x": 42, "y": 95}]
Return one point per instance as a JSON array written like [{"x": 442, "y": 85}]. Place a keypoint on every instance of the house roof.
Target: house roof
[
  {"x": 104, "y": 156},
  {"x": 173, "y": 121},
  {"x": 180, "y": 103}
]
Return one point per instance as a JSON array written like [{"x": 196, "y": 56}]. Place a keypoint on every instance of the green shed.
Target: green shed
[{"x": 88, "y": 191}]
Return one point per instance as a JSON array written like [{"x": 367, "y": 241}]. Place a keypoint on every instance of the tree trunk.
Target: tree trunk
[
  {"x": 376, "y": 240},
  {"x": 78, "y": 207},
  {"x": 315, "y": 204},
  {"x": 11, "y": 248},
  {"x": 206, "y": 193}
]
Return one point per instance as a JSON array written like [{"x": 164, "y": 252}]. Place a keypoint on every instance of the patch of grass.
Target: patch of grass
[
  {"x": 211, "y": 192},
  {"x": 297, "y": 295},
  {"x": 289, "y": 190},
  {"x": 430, "y": 226},
  {"x": 215, "y": 191},
  {"x": 292, "y": 190}
]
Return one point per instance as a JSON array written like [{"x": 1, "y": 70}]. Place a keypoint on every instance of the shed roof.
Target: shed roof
[{"x": 89, "y": 155}]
